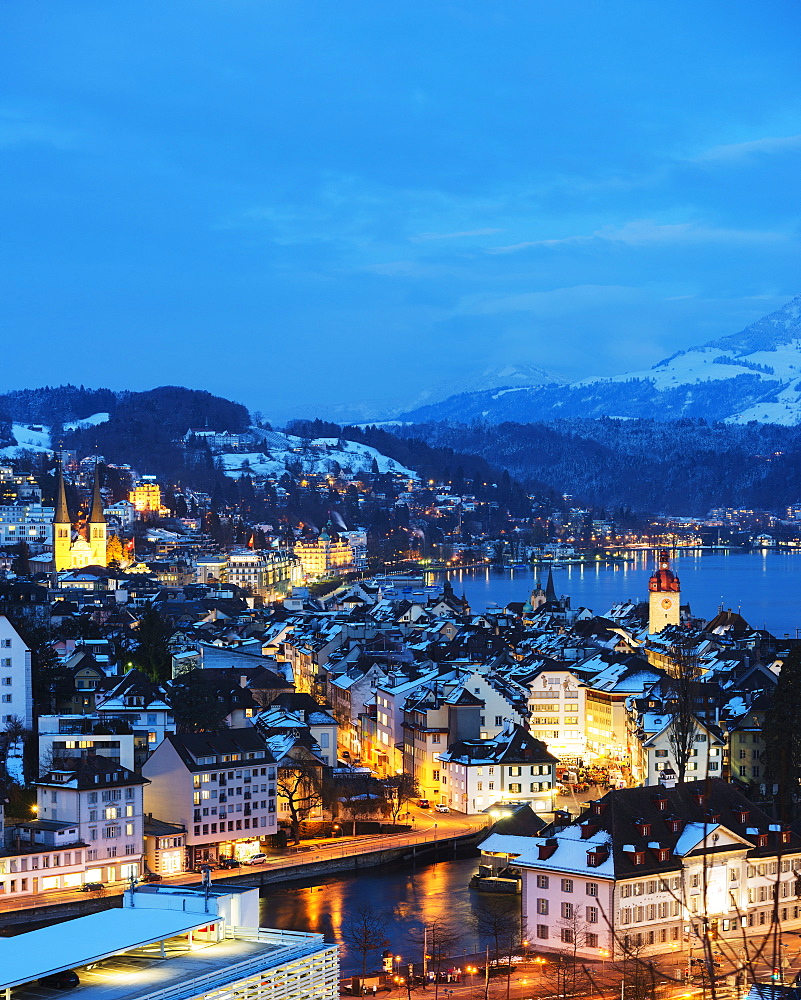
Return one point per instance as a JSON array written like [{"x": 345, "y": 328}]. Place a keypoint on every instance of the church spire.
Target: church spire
[
  {"x": 550, "y": 590},
  {"x": 62, "y": 514},
  {"x": 96, "y": 515}
]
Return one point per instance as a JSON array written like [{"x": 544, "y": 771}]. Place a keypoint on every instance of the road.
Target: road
[{"x": 427, "y": 827}]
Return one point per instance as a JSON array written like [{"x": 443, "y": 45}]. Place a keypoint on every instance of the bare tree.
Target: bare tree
[
  {"x": 365, "y": 931},
  {"x": 400, "y": 791},
  {"x": 300, "y": 785},
  {"x": 683, "y": 723}
]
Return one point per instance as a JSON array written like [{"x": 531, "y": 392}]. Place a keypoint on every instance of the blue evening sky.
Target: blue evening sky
[{"x": 297, "y": 204}]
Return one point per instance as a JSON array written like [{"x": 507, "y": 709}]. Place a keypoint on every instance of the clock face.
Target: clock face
[{"x": 667, "y": 603}]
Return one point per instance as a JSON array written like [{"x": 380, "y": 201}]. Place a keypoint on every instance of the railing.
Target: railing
[{"x": 303, "y": 946}]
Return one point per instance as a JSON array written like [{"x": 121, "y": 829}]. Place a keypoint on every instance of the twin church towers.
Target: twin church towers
[{"x": 82, "y": 543}]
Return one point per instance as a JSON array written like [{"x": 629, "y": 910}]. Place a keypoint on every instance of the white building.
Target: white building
[
  {"x": 205, "y": 943},
  {"x": 220, "y": 787},
  {"x": 16, "y": 691},
  {"x": 512, "y": 767},
  {"x": 653, "y": 748},
  {"x": 100, "y": 804},
  {"x": 654, "y": 868},
  {"x": 557, "y": 703},
  {"x": 63, "y": 736},
  {"x": 27, "y": 522}
]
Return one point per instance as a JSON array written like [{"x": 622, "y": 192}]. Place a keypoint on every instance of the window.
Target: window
[
  {"x": 592, "y": 940},
  {"x": 514, "y": 772},
  {"x": 592, "y": 914},
  {"x": 542, "y": 931},
  {"x": 515, "y": 789},
  {"x": 542, "y": 881},
  {"x": 592, "y": 888},
  {"x": 436, "y": 737},
  {"x": 435, "y": 775},
  {"x": 567, "y": 885},
  {"x": 567, "y": 935},
  {"x": 542, "y": 906},
  {"x": 499, "y": 721},
  {"x": 567, "y": 911}
]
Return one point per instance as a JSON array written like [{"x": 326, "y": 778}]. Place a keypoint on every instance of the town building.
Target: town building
[
  {"x": 654, "y": 869},
  {"x": 511, "y": 767},
  {"x": 146, "y": 497},
  {"x": 329, "y": 554},
  {"x": 16, "y": 699},
  {"x": 664, "y": 596},
  {"x": 185, "y": 943},
  {"x": 99, "y": 805},
  {"x": 220, "y": 787}
]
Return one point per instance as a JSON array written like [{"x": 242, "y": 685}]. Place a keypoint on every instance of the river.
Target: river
[
  {"x": 412, "y": 896},
  {"x": 765, "y": 586}
]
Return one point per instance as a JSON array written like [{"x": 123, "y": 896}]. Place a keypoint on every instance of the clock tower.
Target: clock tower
[{"x": 664, "y": 596}]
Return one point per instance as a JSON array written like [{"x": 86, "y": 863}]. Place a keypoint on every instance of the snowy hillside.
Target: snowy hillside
[
  {"x": 751, "y": 375},
  {"x": 93, "y": 421},
  {"x": 323, "y": 456},
  {"x": 29, "y": 438}
]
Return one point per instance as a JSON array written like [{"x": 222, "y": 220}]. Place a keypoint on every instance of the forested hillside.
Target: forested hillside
[{"x": 686, "y": 466}]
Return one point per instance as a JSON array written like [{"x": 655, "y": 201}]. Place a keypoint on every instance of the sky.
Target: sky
[{"x": 304, "y": 205}]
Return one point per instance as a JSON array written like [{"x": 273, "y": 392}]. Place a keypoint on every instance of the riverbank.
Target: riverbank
[{"x": 322, "y": 859}]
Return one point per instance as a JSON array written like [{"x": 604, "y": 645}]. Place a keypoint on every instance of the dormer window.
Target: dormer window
[
  {"x": 643, "y": 828},
  {"x": 762, "y": 840},
  {"x": 673, "y": 824},
  {"x": 741, "y": 815}
]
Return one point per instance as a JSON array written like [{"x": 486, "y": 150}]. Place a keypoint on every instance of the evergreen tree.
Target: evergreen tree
[{"x": 783, "y": 738}]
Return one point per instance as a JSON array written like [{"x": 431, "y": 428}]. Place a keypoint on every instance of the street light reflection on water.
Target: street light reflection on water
[{"x": 410, "y": 897}]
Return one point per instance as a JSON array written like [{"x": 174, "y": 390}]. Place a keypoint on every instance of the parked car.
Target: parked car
[
  {"x": 440, "y": 807},
  {"x": 424, "y": 803},
  {"x": 256, "y": 859},
  {"x": 66, "y": 980},
  {"x": 93, "y": 887},
  {"x": 150, "y": 877},
  {"x": 229, "y": 863},
  {"x": 204, "y": 866}
]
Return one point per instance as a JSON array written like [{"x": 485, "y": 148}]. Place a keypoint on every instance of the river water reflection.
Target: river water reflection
[{"x": 411, "y": 896}]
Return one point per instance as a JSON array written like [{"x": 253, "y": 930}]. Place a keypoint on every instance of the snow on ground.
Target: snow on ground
[
  {"x": 33, "y": 440},
  {"x": 93, "y": 421},
  {"x": 317, "y": 457}
]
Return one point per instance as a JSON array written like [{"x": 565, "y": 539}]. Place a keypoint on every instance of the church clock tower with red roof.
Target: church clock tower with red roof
[{"x": 664, "y": 596}]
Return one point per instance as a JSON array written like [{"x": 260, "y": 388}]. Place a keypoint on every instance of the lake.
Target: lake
[{"x": 764, "y": 586}]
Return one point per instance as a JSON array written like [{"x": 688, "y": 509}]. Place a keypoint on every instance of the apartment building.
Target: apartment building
[
  {"x": 16, "y": 692},
  {"x": 219, "y": 786}
]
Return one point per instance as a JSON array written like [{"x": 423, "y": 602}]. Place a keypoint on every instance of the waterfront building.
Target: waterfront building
[
  {"x": 204, "y": 942},
  {"x": 664, "y": 596},
  {"x": 16, "y": 699},
  {"x": 99, "y": 803},
  {"x": 646, "y": 870},
  {"x": 652, "y": 742},
  {"x": 220, "y": 787},
  {"x": 165, "y": 846},
  {"x": 26, "y": 522},
  {"x": 511, "y": 767},
  {"x": 557, "y": 703}
]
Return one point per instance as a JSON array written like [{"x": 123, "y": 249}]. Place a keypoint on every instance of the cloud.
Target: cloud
[
  {"x": 747, "y": 150},
  {"x": 641, "y": 232},
  {"x": 454, "y": 236}
]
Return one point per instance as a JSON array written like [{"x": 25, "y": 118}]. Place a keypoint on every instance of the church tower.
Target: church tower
[
  {"x": 664, "y": 596},
  {"x": 62, "y": 526},
  {"x": 96, "y": 525}
]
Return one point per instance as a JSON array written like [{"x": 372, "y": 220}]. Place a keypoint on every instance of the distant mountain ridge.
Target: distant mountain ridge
[{"x": 751, "y": 375}]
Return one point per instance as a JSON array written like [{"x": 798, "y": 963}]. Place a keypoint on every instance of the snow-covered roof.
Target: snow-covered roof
[
  {"x": 88, "y": 939},
  {"x": 507, "y": 843}
]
